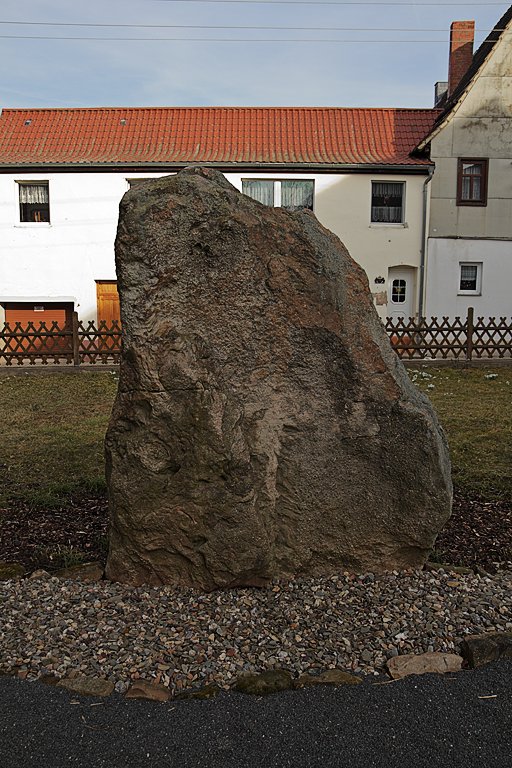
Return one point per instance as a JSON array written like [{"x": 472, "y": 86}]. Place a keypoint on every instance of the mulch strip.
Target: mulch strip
[
  {"x": 478, "y": 534},
  {"x": 47, "y": 538}
]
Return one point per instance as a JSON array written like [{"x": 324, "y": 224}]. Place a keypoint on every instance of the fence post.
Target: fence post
[
  {"x": 75, "y": 340},
  {"x": 470, "y": 325}
]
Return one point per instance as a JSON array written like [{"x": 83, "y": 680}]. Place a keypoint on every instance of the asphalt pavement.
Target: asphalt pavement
[{"x": 453, "y": 721}]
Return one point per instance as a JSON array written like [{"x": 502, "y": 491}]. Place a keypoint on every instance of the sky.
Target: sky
[{"x": 235, "y": 67}]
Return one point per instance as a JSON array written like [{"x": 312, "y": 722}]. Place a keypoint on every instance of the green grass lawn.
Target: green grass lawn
[
  {"x": 53, "y": 429},
  {"x": 52, "y": 436}
]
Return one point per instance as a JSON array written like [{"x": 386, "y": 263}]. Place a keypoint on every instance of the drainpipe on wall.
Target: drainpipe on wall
[{"x": 424, "y": 234}]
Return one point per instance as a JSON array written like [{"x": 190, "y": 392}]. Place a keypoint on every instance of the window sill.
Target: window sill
[
  {"x": 32, "y": 224},
  {"x": 383, "y": 225},
  {"x": 469, "y": 293}
]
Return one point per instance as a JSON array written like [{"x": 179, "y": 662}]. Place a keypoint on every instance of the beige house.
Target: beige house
[{"x": 469, "y": 253}]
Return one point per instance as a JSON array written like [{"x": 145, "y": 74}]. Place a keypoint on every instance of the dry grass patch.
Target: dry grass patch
[{"x": 474, "y": 407}]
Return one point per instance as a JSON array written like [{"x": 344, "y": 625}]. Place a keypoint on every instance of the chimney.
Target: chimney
[
  {"x": 440, "y": 90},
  {"x": 462, "y": 36}
]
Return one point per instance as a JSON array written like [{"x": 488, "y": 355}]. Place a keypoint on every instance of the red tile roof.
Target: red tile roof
[{"x": 221, "y": 135}]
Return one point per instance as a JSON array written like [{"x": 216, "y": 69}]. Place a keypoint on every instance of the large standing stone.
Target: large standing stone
[{"x": 263, "y": 426}]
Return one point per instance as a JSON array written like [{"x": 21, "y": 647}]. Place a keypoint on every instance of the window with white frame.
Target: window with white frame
[
  {"x": 388, "y": 202},
  {"x": 470, "y": 278},
  {"x": 287, "y": 193},
  {"x": 34, "y": 200}
]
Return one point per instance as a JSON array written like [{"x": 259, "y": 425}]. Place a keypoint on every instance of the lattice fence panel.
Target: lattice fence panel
[
  {"x": 99, "y": 344},
  {"x": 437, "y": 339},
  {"x": 492, "y": 337},
  {"x": 36, "y": 344},
  {"x": 92, "y": 344}
]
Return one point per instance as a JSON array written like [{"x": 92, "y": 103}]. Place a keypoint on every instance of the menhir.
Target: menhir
[{"x": 263, "y": 426}]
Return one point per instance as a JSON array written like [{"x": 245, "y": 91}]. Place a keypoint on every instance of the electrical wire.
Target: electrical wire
[
  {"x": 215, "y": 39},
  {"x": 230, "y": 26},
  {"x": 327, "y": 2}
]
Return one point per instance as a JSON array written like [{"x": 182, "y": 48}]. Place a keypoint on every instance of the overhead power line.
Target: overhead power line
[
  {"x": 226, "y": 26},
  {"x": 326, "y": 2},
  {"x": 214, "y": 39}
]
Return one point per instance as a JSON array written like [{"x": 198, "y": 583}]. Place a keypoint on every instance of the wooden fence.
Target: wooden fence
[
  {"x": 413, "y": 339},
  {"x": 466, "y": 339},
  {"x": 76, "y": 344}
]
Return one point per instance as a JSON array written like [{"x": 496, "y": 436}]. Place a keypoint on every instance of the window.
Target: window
[
  {"x": 398, "y": 288},
  {"x": 290, "y": 194},
  {"x": 262, "y": 191},
  {"x": 388, "y": 202},
  {"x": 296, "y": 195},
  {"x": 34, "y": 201},
  {"x": 472, "y": 182},
  {"x": 470, "y": 278}
]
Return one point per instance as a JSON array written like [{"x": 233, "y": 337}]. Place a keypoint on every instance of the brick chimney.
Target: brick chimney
[{"x": 462, "y": 37}]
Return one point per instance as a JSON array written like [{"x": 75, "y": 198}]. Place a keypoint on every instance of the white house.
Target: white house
[
  {"x": 64, "y": 171},
  {"x": 422, "y": 198},
  {"x": 469, "y": 258}
]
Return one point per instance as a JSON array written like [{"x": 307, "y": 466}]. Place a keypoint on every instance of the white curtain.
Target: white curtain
[
  {"x": 262, "y": 191},
  {"x": 35, "y": 194},
  {"x": 471, "y": 189},
  {"x": 387, "y": 202},
  {"x": 296, "y": 195}
]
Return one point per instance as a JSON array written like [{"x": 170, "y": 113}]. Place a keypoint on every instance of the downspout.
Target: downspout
[{"x": 423, "y": 253}]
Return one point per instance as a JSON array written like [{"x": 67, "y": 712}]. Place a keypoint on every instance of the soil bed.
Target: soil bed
[{"x": 479, "y": 534}]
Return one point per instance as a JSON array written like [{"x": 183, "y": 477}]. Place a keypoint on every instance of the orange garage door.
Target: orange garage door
[
  {"x": 37, "y": 313},
  {"x": 49, "y": 313}
]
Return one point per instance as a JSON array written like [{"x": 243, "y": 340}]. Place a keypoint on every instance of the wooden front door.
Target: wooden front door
[{"x": 107, "y": 301}]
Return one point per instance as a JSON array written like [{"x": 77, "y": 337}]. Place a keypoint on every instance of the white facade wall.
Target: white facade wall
[
  {"x": 61, "y": 261},
  {"x": 444, "y": 258}
]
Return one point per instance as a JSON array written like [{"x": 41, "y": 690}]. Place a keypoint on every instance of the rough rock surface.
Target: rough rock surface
[
  {"x": 87, "y": 686},
  {"x": 482, "y": 649},
  {"x": 263, "y": 426},
  {"x": 271, "y": 681},
  {"x": 329, "y": 677},
  {"x": 423, "y": 663},
  {"x": 143, "y": 689}
]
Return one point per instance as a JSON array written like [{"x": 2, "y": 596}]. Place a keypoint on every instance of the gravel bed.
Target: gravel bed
[{"x": 183, "y": 638}]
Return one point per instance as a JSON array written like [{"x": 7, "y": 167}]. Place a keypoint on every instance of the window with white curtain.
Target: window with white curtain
[
  {"x": 472, "y": 182},
  {"x": 470, "y": 278},
  {"x": 262, "y": 191},
  {"x": 34, "y": 201},
  {"x": 291, "y": 194},
  {"x": 388, "y": 202}
]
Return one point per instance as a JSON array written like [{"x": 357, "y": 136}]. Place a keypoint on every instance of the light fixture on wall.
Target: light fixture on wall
[{"x": 379, "y": 280}]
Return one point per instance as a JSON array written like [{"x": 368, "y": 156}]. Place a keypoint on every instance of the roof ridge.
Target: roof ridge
[{"x": 220, "y": 107}]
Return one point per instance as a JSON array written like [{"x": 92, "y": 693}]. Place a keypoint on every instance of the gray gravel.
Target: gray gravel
[{"x": 184, "y": 639}]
